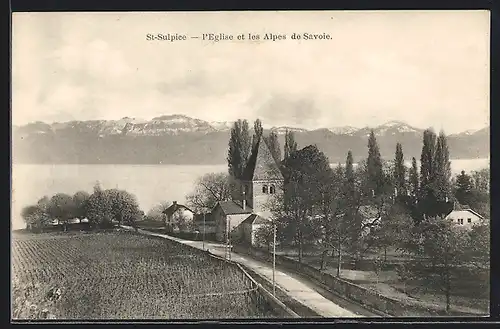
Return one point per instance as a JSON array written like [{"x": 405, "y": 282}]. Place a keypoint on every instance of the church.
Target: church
[{"x": 240, "y": 217}]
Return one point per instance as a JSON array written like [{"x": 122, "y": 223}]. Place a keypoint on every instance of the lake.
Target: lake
[{"x": 150, "y": 183}]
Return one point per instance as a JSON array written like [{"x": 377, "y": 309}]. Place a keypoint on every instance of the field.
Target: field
[{"x": 123, "y": 275}]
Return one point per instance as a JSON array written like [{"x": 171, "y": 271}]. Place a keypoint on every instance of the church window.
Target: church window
[
  {"x": 272, "y": 189},
  {"x": 264, "y": 189}
]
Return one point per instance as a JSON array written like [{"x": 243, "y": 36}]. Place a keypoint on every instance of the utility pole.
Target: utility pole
[
  {"x": 274, "y": 258},
  {"x": 203, "y": 231}
]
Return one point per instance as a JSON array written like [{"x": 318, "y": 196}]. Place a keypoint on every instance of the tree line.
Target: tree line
[
  {"x": 353, "y": 210},
  {"x": 102, "y": 208}
]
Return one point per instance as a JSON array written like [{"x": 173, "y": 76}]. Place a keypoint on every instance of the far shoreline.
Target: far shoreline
[{"x": 332, "y": 163}]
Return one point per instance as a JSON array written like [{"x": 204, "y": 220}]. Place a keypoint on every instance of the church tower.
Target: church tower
[{"x": 261, "y": 180}]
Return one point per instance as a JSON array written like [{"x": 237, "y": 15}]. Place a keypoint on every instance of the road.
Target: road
[{"x": 290, "y": 283}]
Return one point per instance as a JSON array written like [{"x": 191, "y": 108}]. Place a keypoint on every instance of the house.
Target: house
[
  {"x": 228, "y": 215},
  {"x": 261, "y": 180},
  {"x": 250, "y": 226},
  {"x": 177, "y": 216},
  {"x": 464, "y": 216}
]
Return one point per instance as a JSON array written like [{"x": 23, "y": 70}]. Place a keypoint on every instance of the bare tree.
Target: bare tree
[{"x": 209, "y": 189}]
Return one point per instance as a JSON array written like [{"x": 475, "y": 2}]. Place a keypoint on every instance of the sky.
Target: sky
[{"x": 428, "y": 69}]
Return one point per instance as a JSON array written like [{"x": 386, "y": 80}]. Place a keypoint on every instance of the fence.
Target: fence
[{"x": 371, "y": 299}]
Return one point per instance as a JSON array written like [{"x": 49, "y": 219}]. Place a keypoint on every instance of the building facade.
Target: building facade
[{"x": 464, "y": 216}]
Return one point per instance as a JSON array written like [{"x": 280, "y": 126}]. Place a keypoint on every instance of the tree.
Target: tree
[
  {"x": 333, "y": 235},
  {"x": 427, "y": 199},
  {"x": 375, "y": 175},
  {"x": 99, "y": 207},
  {"x": 124, "y": 206},
  {"x": 62, "y": 208},
  {"x": 44, "y": 203},
  {"x": 264, "y": 236},
  {"x": 391, "y": 230},
  {"x": 258, "y": 131},
  {"x": 35, "y": 217},
  {"x": 305, "y": 173},
  {"x": 481, "y": 192},
  {"x": 481, "y": 179},
  {"x": 437, "y": 247},
  {"x": 345, "y": 226},
  {"x": 209, "y": 189},
  {"x": 426, "y": 158},
  {"x": 413, "y": 180},
  {"x": 441, "y": 182},
  {"x": 156, "y": 212},
  {"x": 479, "y": 245},
  {"x": 290, "y": 144},
  {"x": 274, "y": 146},
  {"x": 80, "y": 201},
  {"x": 463, "y": 189},
  {"x": 239, "y": 148},
  {"x": 399, "y": 171}
]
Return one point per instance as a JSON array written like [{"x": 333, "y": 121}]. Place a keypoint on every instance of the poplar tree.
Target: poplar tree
[
  {"x": 399, "y": 171},
  {"x": 274, "y": 145},
  {"x": 290, "y": 144},
  {"x": 426, "y": 158},
  {"x": 442, "y": 169},
  {"x": 258, "y": 131},
  {"x": 427, "y": 198},
  {"x": 413, "y": 179},
  {"x": 374, "y": 170},
  {"x": 239, "y": 148}
]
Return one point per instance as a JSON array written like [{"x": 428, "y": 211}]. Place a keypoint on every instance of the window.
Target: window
[
  {"x": 264, "y": 189},
  {"x": 272, "y": 189},
  {"x": 461, "y": 221},
  {"x": 458, "y": 221},
  {"x": 246, "y": 189},
  {"x": 469, "y": 220}
]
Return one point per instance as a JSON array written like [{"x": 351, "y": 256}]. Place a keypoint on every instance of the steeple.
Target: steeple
[{"x": 261, "y": 164}]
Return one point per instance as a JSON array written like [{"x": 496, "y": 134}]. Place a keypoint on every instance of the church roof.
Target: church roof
[{"x": 261, "y": 164}]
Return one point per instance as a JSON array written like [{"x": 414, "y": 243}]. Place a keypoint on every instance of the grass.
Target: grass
[
  {"x": 469, "y": 295},
  {"x": 124, "y": 275}
]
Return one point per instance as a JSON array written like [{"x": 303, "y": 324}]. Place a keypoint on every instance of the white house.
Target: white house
[
  {"x": 250, "y": 226},
  {"x": 177, "y": 215},
  {"x": 464, "y": 216}
]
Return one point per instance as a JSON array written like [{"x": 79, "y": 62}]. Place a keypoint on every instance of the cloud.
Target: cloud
[
  {"x": 288, "y": 109},
  {"x": 422, "y": 68}
]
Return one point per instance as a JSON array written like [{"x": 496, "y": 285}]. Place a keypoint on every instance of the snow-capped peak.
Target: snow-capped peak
[
  {"x": 347, "y": 130},
  {"x": 221, "y": 125},
  {"x": 282, "y": 130},
  {"x": 393, "y": 123},
  {"x": 470, "y": 131},
  {"x": 395, "y": 126}
]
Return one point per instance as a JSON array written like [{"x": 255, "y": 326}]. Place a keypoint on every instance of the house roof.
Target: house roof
[
  {"x": 261, "y": 164},
  {"x": 232, "y": 208},
  {"x": 255, "y": 219},
  {"x": 174, "y": 207},
  {"x": 368, "y": 212},
  {"x": 466, "y": 209}
]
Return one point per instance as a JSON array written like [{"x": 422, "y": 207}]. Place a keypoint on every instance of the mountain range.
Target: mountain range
[{"x": 179, "y": 139}]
